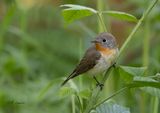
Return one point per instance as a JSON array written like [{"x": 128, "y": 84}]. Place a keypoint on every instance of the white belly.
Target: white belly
[{"x": 103, "y": 64}]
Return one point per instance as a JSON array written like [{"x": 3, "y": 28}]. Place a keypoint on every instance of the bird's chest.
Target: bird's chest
[
  {"x": 110, "y": 56},
  {"x": 104, "y": 62}
]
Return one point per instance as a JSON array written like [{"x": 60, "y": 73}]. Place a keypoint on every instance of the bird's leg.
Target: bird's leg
[
  {"x": 98, "y": 83},
  {"x": 114, "y": 65}
]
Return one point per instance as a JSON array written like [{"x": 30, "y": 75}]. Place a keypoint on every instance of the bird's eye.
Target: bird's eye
[{"x": 104, "y": 40}]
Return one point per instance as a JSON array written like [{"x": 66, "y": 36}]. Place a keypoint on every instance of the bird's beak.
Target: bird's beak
[{"x": 95, "y": 41}]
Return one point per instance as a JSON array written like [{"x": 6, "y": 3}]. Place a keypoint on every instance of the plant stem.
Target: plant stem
[
  {"x": 73, "y": 104},
  {"x": 80, "y": 53},
  {"x": 80, "y": 78},
  {"x": 155, "y": 105},
  {"x": 101, "y": 24},
  {"x": 92, "y": 100},
  {"x": 145, "y": 14},
  {"x": 80, "y": 103},
  {"x": 114, "y": 94},
  {"x": 99, "y": 8},
  {"x": 95, "y": 93},
  {"x": 142, "y": 102},
  {"x": 146, "y": 44},
  {"x": 101, "y": 20}
]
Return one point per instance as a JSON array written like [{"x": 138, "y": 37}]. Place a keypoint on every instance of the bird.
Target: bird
[{"x": 98, "y": 58}]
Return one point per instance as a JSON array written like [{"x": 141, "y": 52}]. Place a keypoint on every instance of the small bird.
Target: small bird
[{"x": 98, "y": 58}]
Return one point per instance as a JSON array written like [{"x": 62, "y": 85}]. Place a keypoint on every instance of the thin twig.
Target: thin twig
[
  {"x": 145, "y": 14},
  {"x": 100, "y": 16},
  {"x": 114, "y": 94}
]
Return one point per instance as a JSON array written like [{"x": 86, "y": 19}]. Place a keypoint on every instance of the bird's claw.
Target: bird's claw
[
  {"x": 100, "y": 85},
  {"x": 114, "y": 65}
]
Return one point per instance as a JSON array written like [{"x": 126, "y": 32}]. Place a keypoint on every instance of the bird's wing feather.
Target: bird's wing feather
[{"x": 87, "y": 62}]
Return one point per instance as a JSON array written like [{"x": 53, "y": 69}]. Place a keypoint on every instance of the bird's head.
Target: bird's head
[{"x": 105, "y": 40}]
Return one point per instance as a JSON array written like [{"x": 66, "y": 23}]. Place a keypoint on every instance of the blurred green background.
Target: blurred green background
[{"x": 37, "y": 50}]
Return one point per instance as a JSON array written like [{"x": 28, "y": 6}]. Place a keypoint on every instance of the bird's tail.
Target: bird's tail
[
  {"x": 63, "y": 83},
  {"x": 70, "y": 77}
]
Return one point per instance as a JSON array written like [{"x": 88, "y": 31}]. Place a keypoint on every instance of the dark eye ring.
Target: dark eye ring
[{"x": 104, "y": 40}]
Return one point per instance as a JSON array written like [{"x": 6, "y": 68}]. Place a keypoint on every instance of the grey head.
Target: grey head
[{"x": 106, "y": 40}]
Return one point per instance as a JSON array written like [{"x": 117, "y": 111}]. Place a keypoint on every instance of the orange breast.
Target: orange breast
[{"x": 103, "y": 50}]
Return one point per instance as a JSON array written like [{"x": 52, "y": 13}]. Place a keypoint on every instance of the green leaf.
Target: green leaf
[
  {"x": 125, "y": 76},
  {"x": 144, "y": 84},
  {"x": 75, "y": 12},
  {"x": 150, "y": 90},
  {"x": 127, "y": 73},
  {"x": 135, "y": 71},
  {"x": 109, "y": 107},
  {"x": 66, "y": 91},
  {"x": 121, "y": 16}
]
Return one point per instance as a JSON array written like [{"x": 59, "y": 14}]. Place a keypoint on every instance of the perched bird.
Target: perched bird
[{"x": 98, "y": 58}]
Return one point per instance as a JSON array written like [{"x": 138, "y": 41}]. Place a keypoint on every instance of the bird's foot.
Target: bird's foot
[
  {"x": 100, "y": 85},
  {"x": 114, "y": 65}
]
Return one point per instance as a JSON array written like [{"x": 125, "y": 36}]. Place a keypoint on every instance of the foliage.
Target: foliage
[{"x": 37, "y": 52}]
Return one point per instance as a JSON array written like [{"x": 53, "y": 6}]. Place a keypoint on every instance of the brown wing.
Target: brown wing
[{"x": 88, "y": 61}]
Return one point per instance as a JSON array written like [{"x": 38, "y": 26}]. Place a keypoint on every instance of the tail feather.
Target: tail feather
[
  {"x": 63, "y": 83},
  {"x": 70, "y": 77}
]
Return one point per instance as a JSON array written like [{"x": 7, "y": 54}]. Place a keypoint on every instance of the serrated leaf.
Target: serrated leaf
[
  {"x": 135, "y": 71},
  {"x": 66, "y": 91},
  {"x": 109, "y": 107},
  {"x": 121, "y": 16},
  {"x": 75, "y": 12}
]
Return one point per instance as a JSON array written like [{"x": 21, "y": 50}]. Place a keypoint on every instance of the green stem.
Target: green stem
[
  {"x": 146, "y": 44},
  {"x": 116, "y": 93},
  {"x": 99, "y": 8},
  {"x": 80, "y": 103},
  {"x": 80, "y": 78},
  {"x": 142, "y": 102},
  {"x": 73, "y": 104},
  {"x": 92, "y": 100},
  {"x": 155, "y": 105},
  {"x": 80, "y": 53},
  {"x": 145, "y": 14},
  {"x": 101, "y": 20},
  {"x": 95, "y": 93},
  {"x": 101, "y": 24}
]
